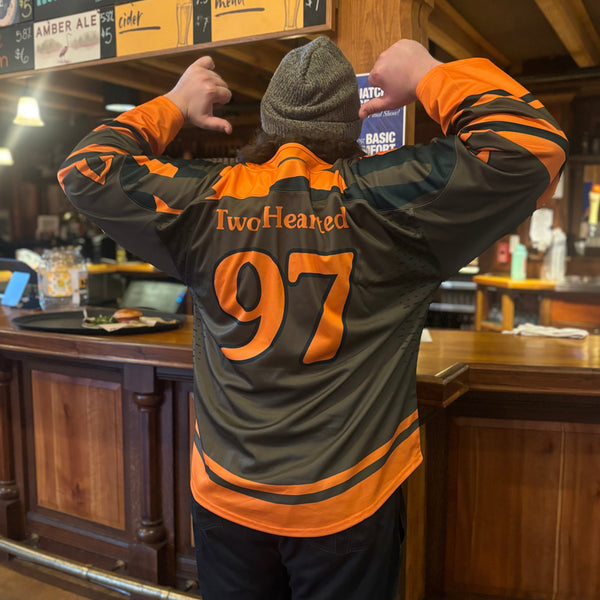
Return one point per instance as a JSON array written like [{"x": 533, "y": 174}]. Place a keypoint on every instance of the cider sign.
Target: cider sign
[{"x": 152, "y": 25}]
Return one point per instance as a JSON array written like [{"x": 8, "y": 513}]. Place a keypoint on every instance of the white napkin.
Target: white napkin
[{"x": 529, "y": 329}]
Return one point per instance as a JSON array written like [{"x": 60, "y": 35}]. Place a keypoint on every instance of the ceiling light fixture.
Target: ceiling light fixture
[
  {"x": 6, "y": 159},
  {"x": 119, "y": 99},
  {"x": 28, "y": 112}
]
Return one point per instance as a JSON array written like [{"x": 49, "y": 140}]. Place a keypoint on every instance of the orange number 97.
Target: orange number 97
[{"x": 270, "y": 308}]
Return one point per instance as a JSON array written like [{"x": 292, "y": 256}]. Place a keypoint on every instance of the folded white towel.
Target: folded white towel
[{"x": 529, "y": 329}]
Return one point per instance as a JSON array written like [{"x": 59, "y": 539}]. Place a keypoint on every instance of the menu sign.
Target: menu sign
[
  {"x": 53, "y": 9},
  {"x": 15, "y": 11},
  {"x": 41, "y": 34},
  {"x": 108, "y": 34},
  {"x": 153, "y": 25},
  {"x": 67, "y": 40},
  {"x": 220, "y": 20},
  {"x": 16, "y": 48}
]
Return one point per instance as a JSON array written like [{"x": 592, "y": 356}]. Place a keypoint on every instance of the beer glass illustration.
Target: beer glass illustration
[
  {"x": 291, "y": 13},
  {"x": 184, "y": 19}
]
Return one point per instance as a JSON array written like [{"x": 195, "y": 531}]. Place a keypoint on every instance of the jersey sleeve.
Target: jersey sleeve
[
  {"x": 118, "y": 177},
  {"x": 501, "y": 158}
]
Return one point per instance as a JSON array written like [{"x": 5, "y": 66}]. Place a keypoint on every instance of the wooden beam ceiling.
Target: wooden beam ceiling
[
  {"x": 571, "y": 22},
  {"x": 455, "y": 35}
]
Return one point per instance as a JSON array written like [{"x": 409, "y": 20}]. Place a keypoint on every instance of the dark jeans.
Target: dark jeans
[{"x": 360, "y": 563}]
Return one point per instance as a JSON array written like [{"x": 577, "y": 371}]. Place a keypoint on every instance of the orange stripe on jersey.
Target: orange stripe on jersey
[
  {"x": 483, "y": 155},
  {"x": 151, "y": 122},
  {"x": 84, "y": 169},
  {"x": 292, "y": 160},
  {"x": 310, "y": 519},
  {"x": 163, "y": 207},
  {"x": 156, "y": 166},
  {"x": 543, "y": 149},
  {"x": 62, "y": 174},
  {"x": 319, "y": 486},
  {"x": 540, "y": 124},
  {"x": 99, "y": 149},
  {"x": 536, "y": 104},
  {"x": 444, "y": 88}
]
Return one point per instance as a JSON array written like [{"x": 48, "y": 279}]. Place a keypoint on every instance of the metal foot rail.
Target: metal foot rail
[{"x": 91, "y": 574}]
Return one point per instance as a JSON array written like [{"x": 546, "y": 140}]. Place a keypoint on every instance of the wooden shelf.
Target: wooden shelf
[{"x": 490, "y": 326}]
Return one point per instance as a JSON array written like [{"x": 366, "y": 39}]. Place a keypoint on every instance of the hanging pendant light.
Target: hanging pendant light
[
  {"x": 28, "y": 112},
  {"x": 119, "y": 99},
  {"x": 6, "y": 159}
]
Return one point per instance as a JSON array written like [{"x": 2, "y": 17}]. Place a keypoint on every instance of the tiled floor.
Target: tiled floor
[{"x": 20, "y": 580}]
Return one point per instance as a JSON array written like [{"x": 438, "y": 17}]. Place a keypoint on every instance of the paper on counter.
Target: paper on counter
[{"x": 528, "y": 329}]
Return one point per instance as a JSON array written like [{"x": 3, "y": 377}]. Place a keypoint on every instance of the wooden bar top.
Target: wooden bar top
[{"x": 454, "y": 360}]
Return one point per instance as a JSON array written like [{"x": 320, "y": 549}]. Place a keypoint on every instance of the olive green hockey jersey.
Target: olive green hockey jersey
[{"x": 311, "y": 284}]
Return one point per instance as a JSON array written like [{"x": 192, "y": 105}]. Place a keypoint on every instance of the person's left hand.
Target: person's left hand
[{"x": 198, "y": 91}]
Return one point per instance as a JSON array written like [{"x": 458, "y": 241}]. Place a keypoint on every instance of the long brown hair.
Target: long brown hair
[{"x": 264, "y": 146}]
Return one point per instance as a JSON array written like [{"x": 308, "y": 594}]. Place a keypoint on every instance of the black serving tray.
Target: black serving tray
[{"x": 71, "y": 321}]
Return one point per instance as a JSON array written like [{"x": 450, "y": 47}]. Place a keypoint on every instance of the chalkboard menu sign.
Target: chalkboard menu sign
[
  {"x": 15, "y": 11},
  {"x": 16, "y": 48},
  {"x": 52, "y": 9},
  {"x": 42, "y": 34}
]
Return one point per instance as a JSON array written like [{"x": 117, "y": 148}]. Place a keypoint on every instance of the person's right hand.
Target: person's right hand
[
  {"x": 398, "y": 71},
  {"x": 198, "y": 91}
]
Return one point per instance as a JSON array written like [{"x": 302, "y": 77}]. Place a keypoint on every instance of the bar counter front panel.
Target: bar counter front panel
[{"x": 95, "y": 437}]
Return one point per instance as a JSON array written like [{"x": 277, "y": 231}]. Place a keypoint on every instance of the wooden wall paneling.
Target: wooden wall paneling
[
  {"x": 413, "y": 574},
  {"x": 503, "y": 505},
  {"x": 578, "y": 572},
  {"x": 56, "y": 200},
  {"x": 575, "y": 310},
  {"x": 65, "y": 534},
  {"x": 77, "y": 427},
  {"x": 11, "y": 504},
  {"x": 25, "y": 210},
  {"x": 435, "y": 448}
]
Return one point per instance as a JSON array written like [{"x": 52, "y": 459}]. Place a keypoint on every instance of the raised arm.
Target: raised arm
[
  {"x": 502, "y": 155},
  {"x": 118, "y": 177}
]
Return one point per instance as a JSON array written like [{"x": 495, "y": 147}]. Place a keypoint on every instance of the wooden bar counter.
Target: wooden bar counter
[{"x": 95, "y": 435}]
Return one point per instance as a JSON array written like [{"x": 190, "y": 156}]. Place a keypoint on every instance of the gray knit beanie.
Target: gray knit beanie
[{"x": 314, "y": 91}]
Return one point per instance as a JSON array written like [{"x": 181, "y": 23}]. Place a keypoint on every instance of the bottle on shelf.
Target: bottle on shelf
[
  {"x": 518, "y": 263},
  {"x": 558, "y": 255}
]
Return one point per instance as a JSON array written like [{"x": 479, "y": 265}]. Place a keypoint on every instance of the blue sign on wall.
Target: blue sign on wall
[{"x": 382, "y": 131}]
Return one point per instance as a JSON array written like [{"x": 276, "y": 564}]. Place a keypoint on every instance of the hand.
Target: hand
[
  {"x": 398, "y": 71},
  {"x": 198, "y": 91}
]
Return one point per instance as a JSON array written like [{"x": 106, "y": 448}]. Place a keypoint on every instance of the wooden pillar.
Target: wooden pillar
[
  {"x": 148, "y": 552},
  {"x": 11, "y": 508},
  {"x": 364, "y": 29}
]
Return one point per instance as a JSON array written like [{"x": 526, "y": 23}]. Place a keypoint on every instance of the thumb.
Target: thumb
[
  {"x": 372, "y": 106},
  {"x": 217, "y": 124}
]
